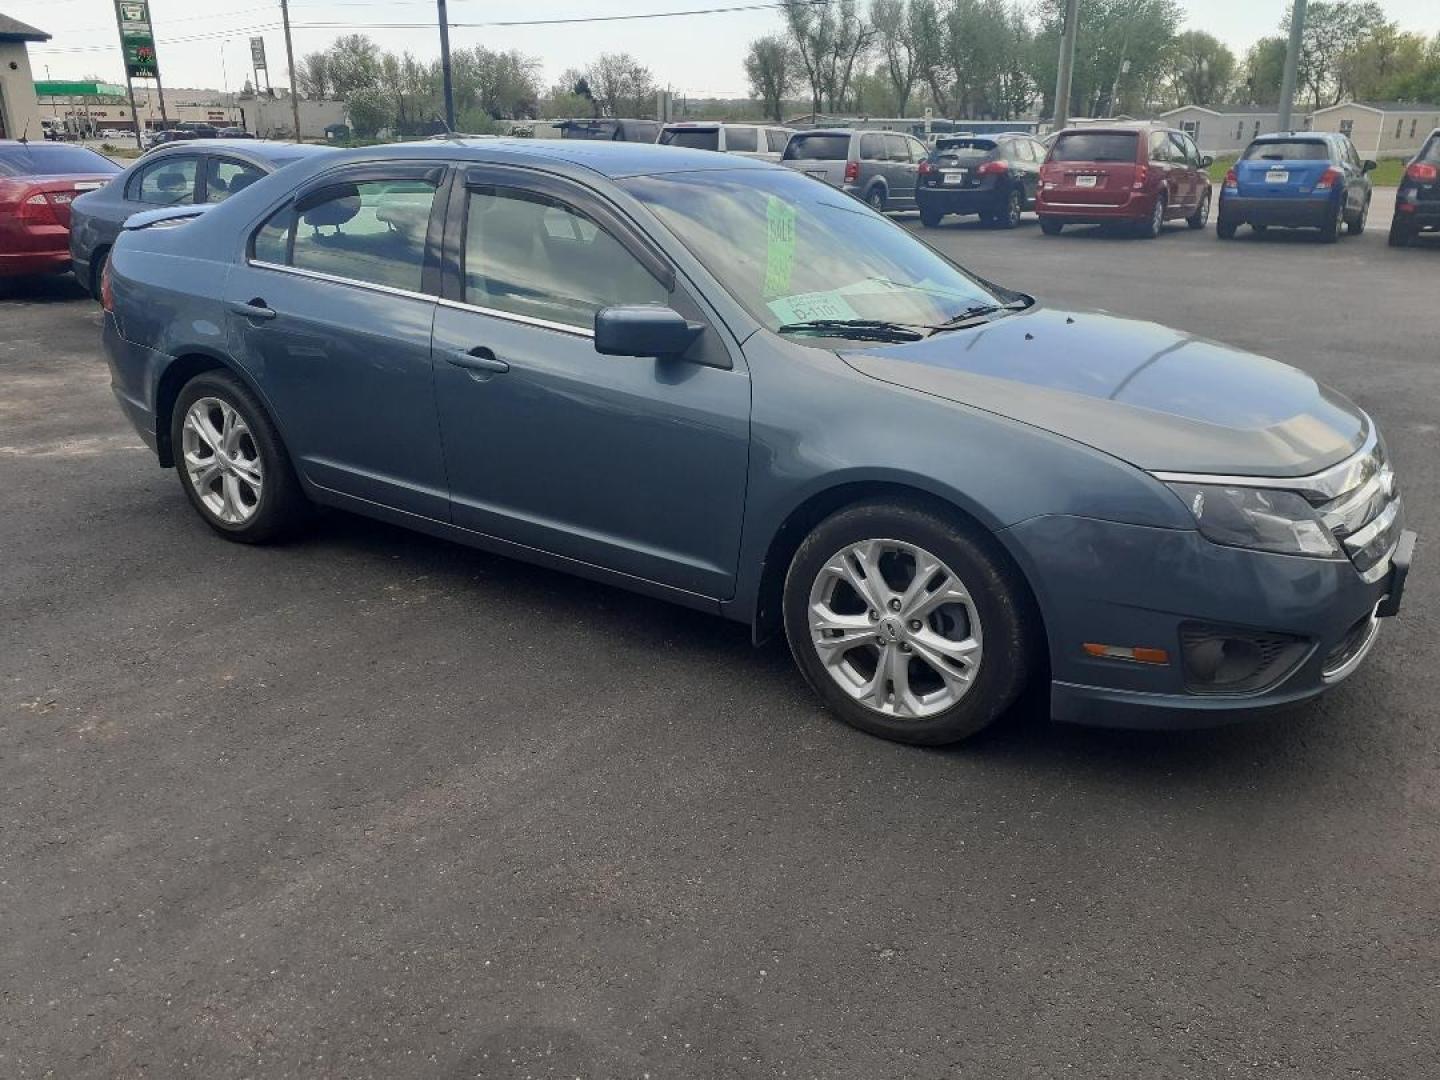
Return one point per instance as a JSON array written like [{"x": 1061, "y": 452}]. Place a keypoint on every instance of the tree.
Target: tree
[
  {"x": 1331, "y": 30},
  {"x": 829, "y": 40},
  {"x": 502, "y": 85},
  {"x": 1111, "y": 33},
  {"x": 353, "y": 64},
  {"x": 369, "y": 112},
  {"x": 1264, "y": 72},
  {"x": 891, "y": 22},
  {"x": 1376, "y": 67},
  {"x": 1201, "y": 69},
  {"x": 927, "y": 39},
  {"x": 622, "y": 86},
  {"x": 769, "y": 65},
  {"x": 313, "y": 76}
]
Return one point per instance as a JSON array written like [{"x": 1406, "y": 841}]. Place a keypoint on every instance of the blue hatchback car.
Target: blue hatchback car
[
  {"x": 1306, "y": 179},
  {"x": 712, "y": 380}
]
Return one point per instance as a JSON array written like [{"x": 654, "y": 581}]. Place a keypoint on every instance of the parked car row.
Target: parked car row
[{"x": 939, "y": 489}]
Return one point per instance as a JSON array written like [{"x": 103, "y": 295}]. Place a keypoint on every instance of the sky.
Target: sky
[{"x": 204, "y": 43}]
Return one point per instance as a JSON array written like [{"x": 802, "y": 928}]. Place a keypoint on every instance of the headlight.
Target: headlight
[{"x": 1257, "y": 518}]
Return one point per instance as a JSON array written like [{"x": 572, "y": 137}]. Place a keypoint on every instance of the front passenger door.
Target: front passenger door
[{"x": 634, "y": 464}]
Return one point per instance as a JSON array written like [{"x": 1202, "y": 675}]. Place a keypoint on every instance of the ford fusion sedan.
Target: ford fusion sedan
[
  {"x": 712, "y": 380},
  {"x": 185, "y": 173},
  {"x": 39, "y": 183}
]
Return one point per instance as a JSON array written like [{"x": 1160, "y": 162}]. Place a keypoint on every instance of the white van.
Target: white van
[{"x": 747, "y": 140}]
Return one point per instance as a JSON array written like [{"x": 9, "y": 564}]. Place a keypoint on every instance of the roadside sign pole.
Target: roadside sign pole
[
  {"x": 290, "y": 61},
  {"x": 129, "y": 83},
  {"x": 1292, "y": 63}
]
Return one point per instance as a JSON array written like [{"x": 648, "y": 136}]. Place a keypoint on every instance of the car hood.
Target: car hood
[{"x": 1160, "y": 399}]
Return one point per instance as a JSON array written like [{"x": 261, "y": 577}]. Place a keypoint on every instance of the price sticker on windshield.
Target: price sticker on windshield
[{"x": 779, "y": 246}]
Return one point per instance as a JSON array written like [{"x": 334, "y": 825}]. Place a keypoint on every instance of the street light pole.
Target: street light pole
[
  {"x": 1292, "y": 64},
  {"x": 1067, "y": 65},
  {"x": 445, "y": 67}
]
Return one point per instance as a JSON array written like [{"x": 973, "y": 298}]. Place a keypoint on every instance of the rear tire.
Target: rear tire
[
  {"x": 232, "y": 463},
  {"x": 1259, "y": 230},
  {"x": 1014, "y": 206},
  {"x": 1051, "y": 227},
  {"x": 1400, "y": 236},
  {"x": 930, "y": 218},
  {"x": 1330, "y": 231},
  {"x": 1155, "y": 224},
  {"x": 875, "y": 199},
  {"x": 924, "y": 672},
  {"x": 1357, "y": 226},
  {"x": 97, "y": 271},
  {"x": 1224, "y": 227}
]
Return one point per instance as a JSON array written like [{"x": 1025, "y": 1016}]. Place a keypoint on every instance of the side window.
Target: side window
[
  {"x": 168, "y": 182},
  {"x": 918, "y": 153},
  {"x": 225, "y": 176},
  {"x": 1191, "y": 151},
  {"x": 776, "y": 139},
  {"x": 1346, "y": 127},
  {"x": 897, "y": 148},
  {"x": 372, "y": 231},
  {"x": 1160, "y": 146},
  {"x": 872, "y": 147},
  {"x": 528, "y": 254},
  {"x": 740, "y": 138}
]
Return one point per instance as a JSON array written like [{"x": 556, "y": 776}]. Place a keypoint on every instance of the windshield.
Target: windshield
[
  {"x": 817, "y": 148},
  {"x": 1288, "y": 150},
  {"x": 40, "y": 159},
  {"x": 1094, "y": 146},
  {"x": 791, "y": 250},
  {"x": 695, "y": 139}
]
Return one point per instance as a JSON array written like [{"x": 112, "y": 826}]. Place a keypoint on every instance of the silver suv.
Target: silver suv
[
  {"x": 881, "y": 167},
  {"x": 747, "y": 140}
]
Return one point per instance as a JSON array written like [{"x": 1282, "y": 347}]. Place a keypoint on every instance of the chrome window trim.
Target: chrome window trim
[
  {"x": 1325, "y": 485},
  {"x": 524, "y": 320},
  {"x": 336, "y": 279}
]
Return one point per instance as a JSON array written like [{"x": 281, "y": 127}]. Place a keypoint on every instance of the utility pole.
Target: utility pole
[
  {"x": 1067, "y": 65},
  {"x": 445, "y": 67},
  {"x": 1292, "y": 64},
  {"x": 290, "y": 61}
]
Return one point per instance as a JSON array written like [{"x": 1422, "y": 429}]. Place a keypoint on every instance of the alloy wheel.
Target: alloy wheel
[
  {"x": 222, "y": 461},
  {"x": 1013, "y": 210},
  {"x": 895, "y": 628}
]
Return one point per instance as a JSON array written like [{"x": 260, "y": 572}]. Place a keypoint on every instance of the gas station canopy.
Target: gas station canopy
[{"x": 60, "y": 88}]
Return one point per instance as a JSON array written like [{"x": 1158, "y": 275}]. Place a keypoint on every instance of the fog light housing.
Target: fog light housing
[{"x": 1231, "y": 660}]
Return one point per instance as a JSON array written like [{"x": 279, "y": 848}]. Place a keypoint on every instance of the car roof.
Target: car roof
[
  {"x": 264, "y": 149},
  {"x": 610, "y": 159}
]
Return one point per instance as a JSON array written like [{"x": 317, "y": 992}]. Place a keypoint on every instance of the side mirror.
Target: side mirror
[
  {"x": 1367, "y": 165},
  {"x": 643, "y": 330},
  {"x": 1206, "y": 161}
]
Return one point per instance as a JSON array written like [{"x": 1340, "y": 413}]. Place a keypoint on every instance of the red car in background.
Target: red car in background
[
  {"x": 1140, "y": 174},
  {"x": 38, "y": 182}
]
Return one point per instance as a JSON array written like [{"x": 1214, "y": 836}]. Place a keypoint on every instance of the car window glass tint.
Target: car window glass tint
[
  {"x": 169, "y": 182},
  {"x": 740, "y": 138},
  {"x": 1288, "y": 150},
  {"x": 1095, "y": 146},
  {"x": 1179, "y": 152},
  {"x": 372, "y": 231},
  {"x": 272, "y": 240},
  {"x": 817, "y": 148},
  {"x": 530, "y": 255},
  {"x": 918, "y": 150},
  {"x": 224, "y": 177},
  {"x": 39, "y": 159},
  {"x": 701, "y": 139},
  {"x": 872, "y": 148},
  {"x": 776, "y": 140}
]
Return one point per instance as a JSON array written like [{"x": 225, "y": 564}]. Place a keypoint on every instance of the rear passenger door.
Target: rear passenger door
[
  {"x": 331, "y": 314},
  {"x": 874, "y": 164},
  {"x": 1163, "y": 155},
  {"x": 903, "y": 169}
]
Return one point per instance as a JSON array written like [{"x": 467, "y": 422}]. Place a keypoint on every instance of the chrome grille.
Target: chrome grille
[{"x": 1360, "y": 503}]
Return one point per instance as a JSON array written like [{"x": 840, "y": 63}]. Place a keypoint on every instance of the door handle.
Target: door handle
[
  {"x": 479, "y": 359},
  {"x": 252, "y": 309}
]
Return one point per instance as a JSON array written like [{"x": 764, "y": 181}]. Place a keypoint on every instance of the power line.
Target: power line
[{"x": 563, "y": 20}]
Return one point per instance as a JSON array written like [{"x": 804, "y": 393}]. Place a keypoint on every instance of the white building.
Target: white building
[
  {"x": 19, "y": 113},
  {"x": 1380, "y": 128},
  {"x": 1223, "y": 130}
]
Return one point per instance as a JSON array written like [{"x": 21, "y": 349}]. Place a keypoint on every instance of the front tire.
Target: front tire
[
  {"x": 232, "y": 462},
  {"x": 907, "y": 626}
]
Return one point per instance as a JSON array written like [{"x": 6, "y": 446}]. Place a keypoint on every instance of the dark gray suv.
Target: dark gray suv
[{"x": 880, "y": 167}]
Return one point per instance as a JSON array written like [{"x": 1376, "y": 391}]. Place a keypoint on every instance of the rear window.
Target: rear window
[
  {"x": 695, "y": 139},
  {"x": 39, "y": 159},
  {"x": 964, "y": 144},
  {"x": 740, "y": 138},
  {"x": 1288, "y": 150},
  {"x": 817, "y": 148},
  {"x": 589, "y": 129},
  {"x": 1431, "y": 150},
  {"x": 1094, "y": 146}
]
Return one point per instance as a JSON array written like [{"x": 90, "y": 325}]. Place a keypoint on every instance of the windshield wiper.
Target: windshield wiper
[
  {"x": 980, "y": 311},
  {"x": 859, "y": 329}
]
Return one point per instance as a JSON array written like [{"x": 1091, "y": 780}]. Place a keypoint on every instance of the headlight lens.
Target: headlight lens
[{"x": 1257, "y": 518}]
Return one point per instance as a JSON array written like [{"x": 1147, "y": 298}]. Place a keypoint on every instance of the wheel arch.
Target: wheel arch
[
  {"x": 173, "y": 379},
  {"x": 768, "y": 618}
]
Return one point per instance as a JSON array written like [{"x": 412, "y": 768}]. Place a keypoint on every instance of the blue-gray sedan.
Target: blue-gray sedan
[
  {"x": 186, "y": 173},
  {"x": 716, "y": 381}
]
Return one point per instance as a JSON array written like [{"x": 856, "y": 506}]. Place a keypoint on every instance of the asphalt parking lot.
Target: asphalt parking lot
[{"x": 371, "y": 804}]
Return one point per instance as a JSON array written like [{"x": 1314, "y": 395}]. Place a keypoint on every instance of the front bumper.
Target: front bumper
[
  {"x": 1310, "y": 212},
  {"x": 1135, "y": 586}
]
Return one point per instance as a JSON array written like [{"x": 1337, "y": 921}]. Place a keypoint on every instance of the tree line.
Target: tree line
[{"x": 993, "y": 59}]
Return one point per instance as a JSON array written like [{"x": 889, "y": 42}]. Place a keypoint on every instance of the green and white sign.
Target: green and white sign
[{"x": 137, "y": 41}]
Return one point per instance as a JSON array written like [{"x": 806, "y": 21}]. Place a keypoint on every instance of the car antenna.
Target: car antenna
[{"x": 25, "y": 135}]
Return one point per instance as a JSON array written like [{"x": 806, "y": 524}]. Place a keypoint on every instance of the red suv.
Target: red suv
[{"x": 1136, "y": 173}]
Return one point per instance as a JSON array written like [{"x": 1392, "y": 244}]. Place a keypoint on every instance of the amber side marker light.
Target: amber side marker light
[{"x": 1138, "y": 654}]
